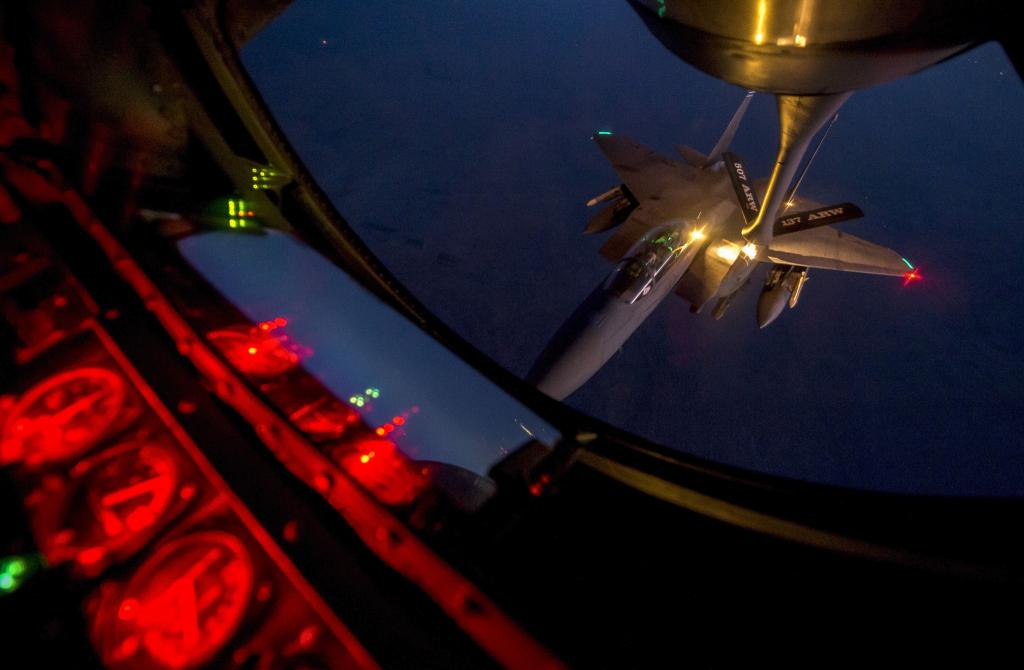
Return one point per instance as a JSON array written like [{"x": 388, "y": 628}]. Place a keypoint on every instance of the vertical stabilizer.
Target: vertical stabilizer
[{"x": 730, "y": 132}]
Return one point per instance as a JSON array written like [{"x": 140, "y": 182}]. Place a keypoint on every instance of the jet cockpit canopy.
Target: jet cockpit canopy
[{"x": 646, "y": 262}]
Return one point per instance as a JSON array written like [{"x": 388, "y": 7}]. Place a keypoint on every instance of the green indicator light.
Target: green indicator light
[
  {"x": 266, "y": 178},
  {"x": 16, "y": 567},
  {"x": 231, "y": 207},
  {"x": 14, "y": 570},
  {"x": 661, "y": 12},
  {"x": 604, "y": 132},
  {"x": 907, "y": 263}
]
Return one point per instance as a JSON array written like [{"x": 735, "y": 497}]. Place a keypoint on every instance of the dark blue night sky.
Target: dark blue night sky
[{"x": 454, "y": 137}]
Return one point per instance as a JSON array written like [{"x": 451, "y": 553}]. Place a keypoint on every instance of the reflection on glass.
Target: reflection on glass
[
  {"x": 406, "y": 386},
  {"x": 643, "y": 265}
]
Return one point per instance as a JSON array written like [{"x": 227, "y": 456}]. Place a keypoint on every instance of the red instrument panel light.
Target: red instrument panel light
[
  {"x": 118, "y": 501},
  {"x": 324, "y": 418},
  {"x": 384, "y": 471},
  {"x": 182, "y": 606},
  {"x": 62, "y": 417},
  {"x": 255, "y": 351}
]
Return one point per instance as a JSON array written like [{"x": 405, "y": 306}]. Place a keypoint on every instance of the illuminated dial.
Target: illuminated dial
[
  {"x": 254, "y": 351},
  {"x": 380, "y": 467},
  {"x": 122, "y": 497},
  {"x": 62, "y": 417},
  {"x": 184, "y": 603},
  {"x": 324, "y": 418}
]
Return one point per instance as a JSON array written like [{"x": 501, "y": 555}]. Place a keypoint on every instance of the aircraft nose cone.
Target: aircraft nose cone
[
  {"x": 559, "y": 383},
  {"x": 580, "y": 347},
  {"x": 560, "y": 375},
  {"x": 566, "y": 363}
]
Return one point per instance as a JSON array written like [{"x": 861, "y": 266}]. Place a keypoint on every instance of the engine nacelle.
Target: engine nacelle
[{"x": 782, "y": 286}]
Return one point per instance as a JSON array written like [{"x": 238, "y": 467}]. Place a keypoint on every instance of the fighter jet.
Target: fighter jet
[{"x": 696, "y": 227}]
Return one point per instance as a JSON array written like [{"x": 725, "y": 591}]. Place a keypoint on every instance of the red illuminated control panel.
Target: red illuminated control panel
[{"x": 177, "y": 572}]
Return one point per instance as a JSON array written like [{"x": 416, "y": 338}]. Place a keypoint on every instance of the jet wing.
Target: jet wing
[
  {"x": 646, "y": 172},
  {"x": 832, "y": 249}
]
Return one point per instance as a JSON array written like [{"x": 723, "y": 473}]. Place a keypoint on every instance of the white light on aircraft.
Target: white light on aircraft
[
  {"x": 697, "y": 234},
  {"x": 750, "y": 250},
  {"x": 728, "y": 252},
  {"x": 762, "y": 15}
]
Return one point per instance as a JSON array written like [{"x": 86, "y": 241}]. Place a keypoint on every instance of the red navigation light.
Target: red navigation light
[
  {"x": 384, "y": 471},
  {"x": 911, "y": 276}
]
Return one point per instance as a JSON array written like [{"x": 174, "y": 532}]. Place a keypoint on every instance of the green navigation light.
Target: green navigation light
[{"x": 907, "y": 263}]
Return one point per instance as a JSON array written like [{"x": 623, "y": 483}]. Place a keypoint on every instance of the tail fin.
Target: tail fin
[
  {"x": 730, "y": 131},
  {"x": 745, "y": 193}
]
